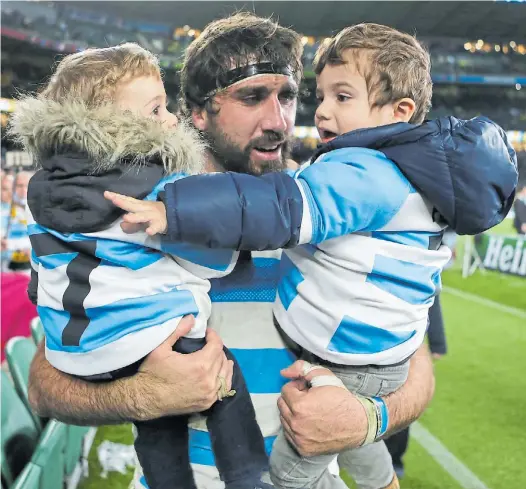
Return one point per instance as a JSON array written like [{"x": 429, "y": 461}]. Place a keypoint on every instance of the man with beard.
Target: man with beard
[{"x": 239, "y": 87}]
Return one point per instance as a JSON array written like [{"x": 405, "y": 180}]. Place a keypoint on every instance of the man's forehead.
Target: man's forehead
[{"x": 269, "y": 81}]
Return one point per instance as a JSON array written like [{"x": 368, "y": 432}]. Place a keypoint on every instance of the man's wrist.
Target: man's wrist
[
  {"x": 142, "y": 404},
  {"x": 382, "y": 417},
  {"x": 377, "y": 418}
]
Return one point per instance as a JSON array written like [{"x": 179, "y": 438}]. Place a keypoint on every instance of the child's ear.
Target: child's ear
[
  {"x": 200, "y": 119},
  {"x": 404, "y": 109}
]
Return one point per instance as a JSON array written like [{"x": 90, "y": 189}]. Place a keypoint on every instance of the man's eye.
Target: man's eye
[
  {"x": 290, "y": 95},
  {"x": 155, "y": 111},
  {"x": 252, "y": 99}
]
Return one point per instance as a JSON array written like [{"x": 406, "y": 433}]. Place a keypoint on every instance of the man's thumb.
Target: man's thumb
[{"x": 183, "y": 328}]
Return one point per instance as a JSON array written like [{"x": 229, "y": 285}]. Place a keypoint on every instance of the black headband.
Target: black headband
[{"x": 238, "y": 74}]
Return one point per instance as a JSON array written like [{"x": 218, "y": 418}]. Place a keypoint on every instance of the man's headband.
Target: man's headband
[{"x": 237, "y": 74}]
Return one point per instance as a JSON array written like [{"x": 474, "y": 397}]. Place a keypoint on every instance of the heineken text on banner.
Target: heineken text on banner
[{"x": 505, "y": 254}]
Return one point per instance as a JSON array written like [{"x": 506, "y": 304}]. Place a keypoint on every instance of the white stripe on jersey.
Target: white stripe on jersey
[{"x": 356, "y": 282}]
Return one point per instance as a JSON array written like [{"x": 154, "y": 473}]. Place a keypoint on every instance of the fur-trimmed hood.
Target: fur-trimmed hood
[
  {"x": 107, "y": 136},
  {"x": 82, "y": 151}
]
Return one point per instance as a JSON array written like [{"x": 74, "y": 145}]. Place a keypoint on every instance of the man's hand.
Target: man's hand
[
  {"x": 142, "y": 214},
  {"x": 319, "y": 420},
  {"x": 4, "y": 244},
  {"x": 184, "y": 383},
  {"x": 168, "y": 383}
]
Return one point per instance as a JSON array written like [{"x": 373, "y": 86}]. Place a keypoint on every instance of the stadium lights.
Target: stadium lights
[
  {"x": 467, "y": 46},
  {"x": 304, "y": 40},
  {"x": 518, "y": 86},
  {"x": 513, "y": 44},
  {"x": 497, "y": 48}
]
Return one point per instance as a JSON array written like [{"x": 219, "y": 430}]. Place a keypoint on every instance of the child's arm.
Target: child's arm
[
  {"x": 202, "y": 262},
  {"x": 337, "y": 195}
]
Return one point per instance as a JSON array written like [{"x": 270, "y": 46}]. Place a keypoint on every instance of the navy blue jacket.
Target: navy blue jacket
[{"x": 467, "y": 170}]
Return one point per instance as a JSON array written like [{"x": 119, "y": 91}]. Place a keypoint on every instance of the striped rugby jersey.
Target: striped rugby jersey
[{"x": 106, "y": 299}]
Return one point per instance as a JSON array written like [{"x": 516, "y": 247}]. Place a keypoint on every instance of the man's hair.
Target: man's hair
[
  {"x": 93, "y": 75},
  {"x": 394, "y": 64},
  {"x": 233, "y": 42}
]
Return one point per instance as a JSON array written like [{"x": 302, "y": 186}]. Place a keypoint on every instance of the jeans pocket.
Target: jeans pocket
[{"x": 354, "y": 381}]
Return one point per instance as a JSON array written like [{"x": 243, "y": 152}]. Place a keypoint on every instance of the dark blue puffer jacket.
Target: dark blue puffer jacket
[{"x": 467, "y": 171}]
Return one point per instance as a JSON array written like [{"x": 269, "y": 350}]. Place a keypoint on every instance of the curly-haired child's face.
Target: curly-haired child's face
[{"x": 145, "y": 96}]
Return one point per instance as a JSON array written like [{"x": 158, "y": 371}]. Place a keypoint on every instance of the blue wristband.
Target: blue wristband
[{"x": 383, "y": 416}]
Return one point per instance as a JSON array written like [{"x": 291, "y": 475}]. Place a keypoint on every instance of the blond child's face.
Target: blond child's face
[
  {"x": 145, "y": 96},
  {"x": 344, "y": 105}
]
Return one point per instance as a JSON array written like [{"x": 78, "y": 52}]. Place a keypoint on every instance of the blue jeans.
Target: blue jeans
[{"x": 370, "y": 466}]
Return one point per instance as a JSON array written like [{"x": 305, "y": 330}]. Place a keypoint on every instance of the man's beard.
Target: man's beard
[{"x": 230, "y": 157}]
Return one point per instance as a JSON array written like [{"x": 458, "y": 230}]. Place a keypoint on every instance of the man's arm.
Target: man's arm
[
  {"x": 168, "y": 383},
  {"x": 330, "y": 419},
  {"x": 409, "y": 402},
  {"x": 55, "y": 394}
]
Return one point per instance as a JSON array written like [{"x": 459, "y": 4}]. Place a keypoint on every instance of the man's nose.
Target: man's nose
[{"x": 274, "y": 118}]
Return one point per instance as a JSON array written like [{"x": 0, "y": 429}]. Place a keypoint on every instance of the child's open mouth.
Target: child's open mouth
[{"x": 327, "y": 136}]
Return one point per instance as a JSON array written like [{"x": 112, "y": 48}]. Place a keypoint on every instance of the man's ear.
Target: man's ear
[
  {"x": 200, "y": 119},
  {"x": 404, "y": 109}
]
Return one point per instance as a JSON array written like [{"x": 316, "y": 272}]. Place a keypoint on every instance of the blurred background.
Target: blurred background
[{"x": 473, "y": 436}]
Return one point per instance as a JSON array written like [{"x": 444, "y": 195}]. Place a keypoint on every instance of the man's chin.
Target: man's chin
[
  {"x": 266, "y": 162},
  {"x": 261, "y": 167}
]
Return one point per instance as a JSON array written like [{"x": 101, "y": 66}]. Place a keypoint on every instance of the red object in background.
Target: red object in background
[{"x": 17, "y": 309}]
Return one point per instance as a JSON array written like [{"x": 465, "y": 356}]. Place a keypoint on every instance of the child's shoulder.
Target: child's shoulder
[{"x": 365, "y": 160}]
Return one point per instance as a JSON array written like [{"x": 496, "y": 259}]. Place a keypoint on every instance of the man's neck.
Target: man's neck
[{"x": 211, "y": 164}]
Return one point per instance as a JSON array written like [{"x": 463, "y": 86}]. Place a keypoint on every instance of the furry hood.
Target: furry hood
[
  {"x": 84, "y": 151},
  {"x": 108, "y": 137}
]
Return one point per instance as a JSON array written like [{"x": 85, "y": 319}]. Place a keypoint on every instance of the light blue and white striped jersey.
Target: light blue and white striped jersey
[
  {"x": 106, "y": 299},
  {"x": 358, "y": 289},
  {"x": 242, "y": 315}
]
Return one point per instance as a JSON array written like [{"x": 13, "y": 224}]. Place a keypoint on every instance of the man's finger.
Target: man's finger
[
  {"x": 214, "y": 346},
  {"x": 286, "y": 427},
  {"x": 289, "y": 435},
  {"x": 227, "y": 371},
  {"x": 284, "y": 410},
  {"x": 316, "y": 373},
  {"x": 183, "y": 328},
  {"x": 124, "y": 202},
  {"x": 292, "y": 392}
]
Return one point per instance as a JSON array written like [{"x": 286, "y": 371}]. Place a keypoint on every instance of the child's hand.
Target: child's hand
[{"x": 141, "y": 214}]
